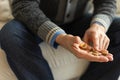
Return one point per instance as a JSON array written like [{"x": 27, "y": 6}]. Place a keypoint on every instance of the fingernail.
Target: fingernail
[{"x": 111, "y": 59}]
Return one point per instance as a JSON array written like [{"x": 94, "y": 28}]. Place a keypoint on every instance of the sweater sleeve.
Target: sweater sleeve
[
  {"x": 29, "y": 12},
  {"x": 104, "y": 11}
]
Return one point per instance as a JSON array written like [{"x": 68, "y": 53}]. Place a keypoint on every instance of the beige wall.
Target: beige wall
[
  {"x": 118, "y": 7},
  {"x": 5, "y": 12}
]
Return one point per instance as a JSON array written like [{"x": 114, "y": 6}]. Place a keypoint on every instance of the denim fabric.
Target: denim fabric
[{"x": 23, "y": 52}]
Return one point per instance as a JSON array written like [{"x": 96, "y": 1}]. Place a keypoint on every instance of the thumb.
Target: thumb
[
  {"x": 96, "y": 43},
  {"x": 86, "y": 39},
  {"x": 77, "y": 39}
]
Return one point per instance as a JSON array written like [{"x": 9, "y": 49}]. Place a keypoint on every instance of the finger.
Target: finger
[
  {"x": 107, "y": 43},
  {"x": 96, "y": 42},
  {"x": 104, "y": 44},
  {"x": 77, "y": 39},
  {"x": 91, "y": 57},
  {"x": 101, "y": 42},
  {"x": 85, "y": 39},
  {"x": 110, "y": 57},
  {"x": 85, "y": 55}
]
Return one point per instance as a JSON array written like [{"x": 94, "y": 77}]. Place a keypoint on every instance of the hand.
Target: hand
[
  {"x": 96, "y": 35},
  {"x": 72, "y": 43}
]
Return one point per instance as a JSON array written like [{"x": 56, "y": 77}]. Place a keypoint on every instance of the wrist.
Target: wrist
[
  {"x": 59, "y": 38},
  {"x": 98, "y": 27}
]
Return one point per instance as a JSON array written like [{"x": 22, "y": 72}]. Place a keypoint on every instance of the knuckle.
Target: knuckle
[{"x": 93, "y": 32}]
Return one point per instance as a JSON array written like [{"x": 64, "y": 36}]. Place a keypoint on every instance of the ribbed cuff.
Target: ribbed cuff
[
  {"x": 48, "y": 31},
  {"x": 102, "y": 19}
]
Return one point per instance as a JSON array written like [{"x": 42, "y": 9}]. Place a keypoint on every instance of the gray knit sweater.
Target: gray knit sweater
[{"x": 42, "y": 16}]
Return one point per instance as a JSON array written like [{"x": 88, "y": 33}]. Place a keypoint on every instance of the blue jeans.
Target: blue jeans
[
  {"x": 26, "y": 60},
  {"x": 23, "y": 53}
]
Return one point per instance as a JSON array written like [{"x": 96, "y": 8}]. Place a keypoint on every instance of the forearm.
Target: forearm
[
  {"x": 28, "y": 12},
  {"x": 104, "y": 11}
]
